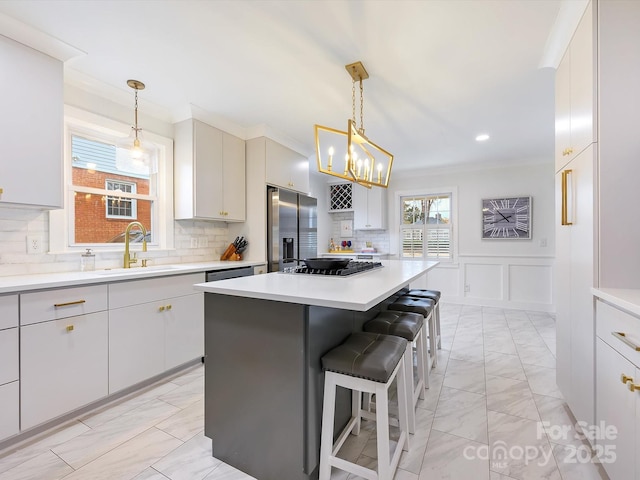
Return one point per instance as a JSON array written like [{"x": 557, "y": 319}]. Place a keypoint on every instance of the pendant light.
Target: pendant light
[
  {"x": 136, "y": 150},
  {"x": 364, "y": 162}
]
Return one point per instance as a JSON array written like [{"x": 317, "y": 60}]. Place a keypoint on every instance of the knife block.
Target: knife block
[{"x": 229, "y": 252}]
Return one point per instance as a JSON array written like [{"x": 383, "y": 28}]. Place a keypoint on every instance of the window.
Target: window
[
  {"x": 119, "y": 206},
  {"x": 425, "y": 227},
  {"x": 107, "y": 187}
]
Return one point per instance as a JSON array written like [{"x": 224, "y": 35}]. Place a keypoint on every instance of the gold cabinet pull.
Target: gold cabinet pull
[
  {"x": 567, "y": 151},
  {"x": 161, "y": 308},
  {"x": 70, "y": 328},
  {"x": 1, "y": 191},
  {"x": 169, "y": 307},
  {"x": 623, "y": 338},
  {"x": 566, "y": 182},
  {"x": 625, "y": 379},
  {"x": 66, "y": 304},
  {"x": 633, "y": 387}
]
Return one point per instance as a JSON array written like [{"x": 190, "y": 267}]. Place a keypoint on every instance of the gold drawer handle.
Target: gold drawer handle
[
  {"x": 77, "y": 302},
  {"x": 633, "y": 387},
  {"x": 625, "y": 379},
  {"x": 169, "y": 307},
  {"x": 623, "y": 338},
  {"x": 70, "y": 328},
  {"x": 161, "y": 308}
]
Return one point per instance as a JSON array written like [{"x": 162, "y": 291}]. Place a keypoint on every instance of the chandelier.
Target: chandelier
[{"x": 365, "y": 162}]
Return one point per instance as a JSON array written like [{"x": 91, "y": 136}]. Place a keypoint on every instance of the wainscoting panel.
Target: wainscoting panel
[
  {"x": 518, "y": 282},
  {"x": 530, "y": 283}
]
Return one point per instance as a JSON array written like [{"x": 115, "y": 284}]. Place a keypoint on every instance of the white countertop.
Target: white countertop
[
  {"x": 626, "y": 299},
  {"x": 20, "y": 283},
  {"x": 360, "y": 292}
]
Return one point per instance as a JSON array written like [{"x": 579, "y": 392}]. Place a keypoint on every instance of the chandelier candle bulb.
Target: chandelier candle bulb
[
  {"x": 359, "y": 167},
  {"x": 329, "y": 163},
  {"x": 380, "y": 173},
  {"x": 346, "y": 163}
]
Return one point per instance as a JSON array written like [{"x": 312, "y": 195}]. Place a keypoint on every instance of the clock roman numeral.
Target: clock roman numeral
[
  {"x": 504, "y": 203},
  {"x": 524, "y": 208},
  {"x": 515, "y": 233},
  {"x": 489, "y": 218},
  {"x": 494, "y": 204},
  {"x": 494, "y": 232},
  {"x": 489, "y": 226},
  {"x": 522, "y": 226},
  {"x": 522, "y": 217}
]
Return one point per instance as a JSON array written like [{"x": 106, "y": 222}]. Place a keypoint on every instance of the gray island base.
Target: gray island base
[
  {"x": 265, "y": 336},
  {"x": 264, "y": 382}
]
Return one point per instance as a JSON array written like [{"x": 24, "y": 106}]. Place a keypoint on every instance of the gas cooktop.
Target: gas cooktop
[{"x": 352, "y": 268}]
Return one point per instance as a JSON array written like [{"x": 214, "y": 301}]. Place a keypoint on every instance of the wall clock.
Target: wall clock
[{"x": 506, "y": 218}]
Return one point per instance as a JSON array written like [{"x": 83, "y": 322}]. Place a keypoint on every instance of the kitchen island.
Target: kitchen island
[{"x": 264, "y": 339}]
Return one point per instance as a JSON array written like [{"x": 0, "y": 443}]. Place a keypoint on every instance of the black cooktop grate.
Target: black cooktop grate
[{"x": 352, "y": 267}]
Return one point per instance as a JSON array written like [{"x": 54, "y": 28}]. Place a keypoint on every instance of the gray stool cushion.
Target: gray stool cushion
[
  {"x": 401, "y": 324},
  {"x": 433, "y": 294},
  {"x": 366, "y": 355},
  {"x": 423, "y": 306}
]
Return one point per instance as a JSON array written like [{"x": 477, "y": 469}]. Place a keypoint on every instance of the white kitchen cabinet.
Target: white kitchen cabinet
[
  {"x": 209, "y": 173},
  {"x": 36, "y": 307},
  {"x": 8, "y": 311},
  {"x": 63, "y": 366},
  {"x": 617, "y": 407},
  {"x": 260, "y": 269},
  {"x": 8, "y": 355},
  {"x": 286, "y": 168},
  {"x": 154, "y": 325},
  {"x": 369, "y": 208},
  {"x": 31, "y": 123},
  {"x": 136, "y": 344},
  {"x": 576, "y": 92},
  {"x": 576, "y": 273},
  {"x": 9, "y": 410},
  {"x": 183, "y": 329}
]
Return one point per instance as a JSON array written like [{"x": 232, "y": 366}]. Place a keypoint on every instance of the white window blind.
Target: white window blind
[{"x": 426, "y": 227}]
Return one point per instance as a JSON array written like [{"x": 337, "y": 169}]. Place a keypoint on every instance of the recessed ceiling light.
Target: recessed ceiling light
[{"x": 482, "y": 138}]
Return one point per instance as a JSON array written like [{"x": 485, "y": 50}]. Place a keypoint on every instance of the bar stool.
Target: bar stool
[
  {"x": 435, "y": 296},
  {"x": 409, "y": 326},
  {"x": 423, "y": 306},
  {"x": 365, "y": 362}
]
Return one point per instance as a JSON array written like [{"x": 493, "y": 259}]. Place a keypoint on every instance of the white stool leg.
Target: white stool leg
[
  {"x": 356, "y": 406},
  {"x": 432, "y": 340},
  {"x": 423, "y": 373},
  {"x": 438, "y": 334},
  {"x": 328, "y": 412},
  {"x": 403, "y": 417},
  {"x": 382, "y": 427},
  {"x": 408, "y": 375}
]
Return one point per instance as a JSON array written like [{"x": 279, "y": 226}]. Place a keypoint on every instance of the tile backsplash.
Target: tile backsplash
[
  {"x": 378, "y": 238},
  {"x": 194, "y": 241}
]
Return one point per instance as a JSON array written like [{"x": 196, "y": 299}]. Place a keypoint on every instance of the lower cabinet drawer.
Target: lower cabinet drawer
[
  {"x": 619, "y": 329},
  {"x": 8, "y": 355},
  {"x": 9, "y": 410},
  {"x": 64, "y": 365}
]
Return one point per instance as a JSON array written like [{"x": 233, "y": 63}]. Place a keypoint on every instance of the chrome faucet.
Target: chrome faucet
[{"x": 127, "y": 257}]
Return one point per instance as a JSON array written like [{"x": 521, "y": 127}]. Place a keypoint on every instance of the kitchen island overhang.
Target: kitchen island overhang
[{"x": 264, "y": 340}]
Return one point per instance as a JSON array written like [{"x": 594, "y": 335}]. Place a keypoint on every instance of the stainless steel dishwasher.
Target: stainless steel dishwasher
[{"x": 216, "y": 275}]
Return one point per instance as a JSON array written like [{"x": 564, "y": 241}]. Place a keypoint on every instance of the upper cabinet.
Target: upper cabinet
[
  {"x": 286, "y": 168},
  {"x": 209, "y": 173},
  {"x": 369, "y": 208},
  {"x": 576, "y": 93},
  {"x": 32, "y": 127}
]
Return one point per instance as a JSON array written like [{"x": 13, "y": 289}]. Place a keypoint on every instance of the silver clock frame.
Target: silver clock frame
[{"x": 487, "y": 202}]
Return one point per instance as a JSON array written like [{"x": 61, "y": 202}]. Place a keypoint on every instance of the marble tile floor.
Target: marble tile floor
[{"x": 490, "y": 414}]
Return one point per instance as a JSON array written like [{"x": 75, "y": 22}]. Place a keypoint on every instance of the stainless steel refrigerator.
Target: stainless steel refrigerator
[{"x": 292, "y": 229}]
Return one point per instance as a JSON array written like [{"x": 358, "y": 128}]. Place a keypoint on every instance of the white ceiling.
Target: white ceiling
[{"x": 441, "y": 71}]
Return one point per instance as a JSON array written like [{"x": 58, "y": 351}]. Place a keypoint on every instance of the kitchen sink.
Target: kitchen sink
[{"x": 134, "y": 270}]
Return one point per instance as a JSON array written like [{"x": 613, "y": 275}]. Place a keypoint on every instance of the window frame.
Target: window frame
[
  {"x": 96, "y": 127},
  {"x": 452, "y": 193}
]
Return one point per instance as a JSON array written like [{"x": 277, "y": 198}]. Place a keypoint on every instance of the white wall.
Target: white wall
[{"x": 505, "y": 273}]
